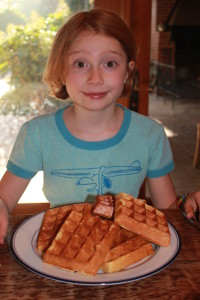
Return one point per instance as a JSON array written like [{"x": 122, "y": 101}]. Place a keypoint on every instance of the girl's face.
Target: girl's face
[{"x": 96, "y": 68}]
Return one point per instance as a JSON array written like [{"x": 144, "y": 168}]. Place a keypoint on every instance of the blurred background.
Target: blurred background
[{"x": 166, "y": 88}]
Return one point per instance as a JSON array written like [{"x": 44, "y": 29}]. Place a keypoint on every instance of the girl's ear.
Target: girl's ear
[{"x": 131, "y": 66}]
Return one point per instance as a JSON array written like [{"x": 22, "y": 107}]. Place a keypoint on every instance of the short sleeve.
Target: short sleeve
[
  {"x": 160, "y": 158},
  {"x": 26, "y": 158}
]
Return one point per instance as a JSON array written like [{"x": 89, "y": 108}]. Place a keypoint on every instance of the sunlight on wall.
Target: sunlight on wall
[{"x": 169, "y": 132}]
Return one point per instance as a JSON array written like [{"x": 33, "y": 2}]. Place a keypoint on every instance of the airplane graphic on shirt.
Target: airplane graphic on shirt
[{"x": 95, "y": 179}]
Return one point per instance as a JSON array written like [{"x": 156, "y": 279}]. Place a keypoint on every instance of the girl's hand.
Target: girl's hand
[
  {"x": 3, "y": 221},
  {"x": 192, "y": 204}
]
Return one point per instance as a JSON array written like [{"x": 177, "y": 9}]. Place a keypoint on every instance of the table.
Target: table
[{"x": 180, "y": 280}]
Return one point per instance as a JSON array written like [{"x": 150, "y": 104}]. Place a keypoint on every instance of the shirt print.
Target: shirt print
[{"x": 95, "y": 179}]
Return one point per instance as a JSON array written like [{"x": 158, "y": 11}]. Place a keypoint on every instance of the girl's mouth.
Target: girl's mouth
[{"x": 92, "y": 95}]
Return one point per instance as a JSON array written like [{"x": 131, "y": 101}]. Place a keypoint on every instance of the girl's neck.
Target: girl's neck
[{"x": 93, "y": 125}]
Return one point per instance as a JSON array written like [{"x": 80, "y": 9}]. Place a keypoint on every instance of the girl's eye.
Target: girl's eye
[
  {"x": 80, "y": 64},
  {"x": 111, "y": 64}
]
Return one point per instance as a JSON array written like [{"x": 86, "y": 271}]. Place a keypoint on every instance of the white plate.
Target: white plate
[{"x": 23, "y": 246}]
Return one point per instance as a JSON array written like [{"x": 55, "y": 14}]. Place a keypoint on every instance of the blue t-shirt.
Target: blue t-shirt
[{"x": 77, "y": 170}]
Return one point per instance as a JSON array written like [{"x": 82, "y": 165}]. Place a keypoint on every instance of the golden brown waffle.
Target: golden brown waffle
[
  {"x": 82, "y": 243},
  {"x": 104, "y": 206},
  {"x": 52, "y": 221},
  {"x": 135, "y": 215},
  {"x": 127, "y": 249}
]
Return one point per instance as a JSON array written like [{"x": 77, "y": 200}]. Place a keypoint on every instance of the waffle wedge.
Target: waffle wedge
[
  {"x": 104, "y": 206},
  {"x": 52, "y": 220},
  {"x": 127, "y": 249},
  {"x": 136, "y": 216},
  {"x": 81, "y": 243}
]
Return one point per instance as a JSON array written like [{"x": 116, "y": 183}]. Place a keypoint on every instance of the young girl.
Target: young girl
[{"x": 92, "y": 146}]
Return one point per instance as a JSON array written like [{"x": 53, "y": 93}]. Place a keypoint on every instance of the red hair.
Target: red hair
[{"x": 99, "y": 21}]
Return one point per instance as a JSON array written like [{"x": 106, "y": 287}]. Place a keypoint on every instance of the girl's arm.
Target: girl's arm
[
  {"x": 163, "y": 196},
  {"x": 11, "y": 189},
  {"x": 162, "y": 192}
]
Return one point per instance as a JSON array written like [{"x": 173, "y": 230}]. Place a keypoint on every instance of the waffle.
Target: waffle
[
  {"x": 82, "y": 243},
  {"x": 104, "y": 206},
  {"x": 127, "y": 249},
  {"x": 52, "y": 221},
  {"x": 148, "y": 222}
]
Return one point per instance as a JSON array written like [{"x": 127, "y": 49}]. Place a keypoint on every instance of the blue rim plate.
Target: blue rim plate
[{"x": 23, "y": 247}]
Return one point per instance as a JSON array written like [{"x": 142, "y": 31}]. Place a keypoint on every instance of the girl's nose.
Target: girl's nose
[{"x": 95, "y": 76}]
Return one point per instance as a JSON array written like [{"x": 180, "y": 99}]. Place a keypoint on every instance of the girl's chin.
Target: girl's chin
[{"x": 95, "y": 105}]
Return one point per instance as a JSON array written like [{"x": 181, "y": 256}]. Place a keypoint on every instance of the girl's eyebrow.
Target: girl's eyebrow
[{"x": 105, "y": 52}]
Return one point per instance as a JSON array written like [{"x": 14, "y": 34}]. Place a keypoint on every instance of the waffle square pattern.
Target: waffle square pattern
[
  {"x": 52, "y": 222},
  {"x": 81, "y": 243},
  {"x": 145, "y": 220}
]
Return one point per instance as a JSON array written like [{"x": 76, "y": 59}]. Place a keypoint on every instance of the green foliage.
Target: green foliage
[
  {"x": 26, "y": 37},
  {"x": 23, "y": 54},
  {"x": 24, "y": 49},
  {"x": 10, "y": 16}
]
